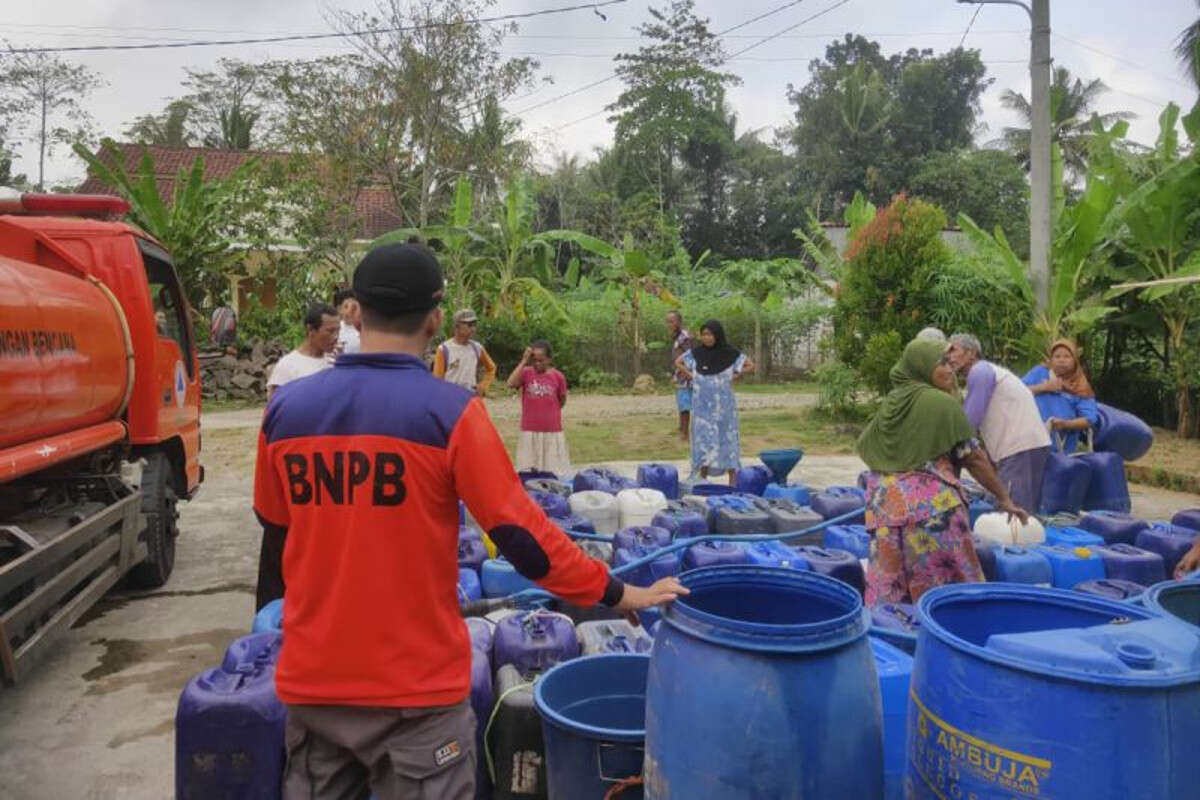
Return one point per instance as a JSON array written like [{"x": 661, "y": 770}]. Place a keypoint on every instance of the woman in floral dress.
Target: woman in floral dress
[
  {"x": 916, "y": 507},
  {"x": 713, "y": 366}
]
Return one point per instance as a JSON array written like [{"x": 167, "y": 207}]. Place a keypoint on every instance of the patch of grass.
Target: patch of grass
[
  {"x": 232, "y": 405},
  {"x": 644, "y": 437}
]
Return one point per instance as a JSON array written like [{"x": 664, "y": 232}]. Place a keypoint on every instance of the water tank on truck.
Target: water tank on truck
[{"x": 100, "y": 410}]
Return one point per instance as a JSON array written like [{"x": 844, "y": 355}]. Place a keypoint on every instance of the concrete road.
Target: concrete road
[{"x": 96, "y": 720}]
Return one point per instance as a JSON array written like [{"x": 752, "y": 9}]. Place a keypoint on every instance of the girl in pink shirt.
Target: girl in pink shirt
[{"x": 542, "y": 444}]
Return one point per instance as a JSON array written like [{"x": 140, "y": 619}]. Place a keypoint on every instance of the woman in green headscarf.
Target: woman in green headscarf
[{"x": 915, "y": 447}]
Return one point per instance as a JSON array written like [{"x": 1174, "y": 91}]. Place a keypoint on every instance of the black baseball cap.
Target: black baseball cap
[{"x": 398, "y": 279}]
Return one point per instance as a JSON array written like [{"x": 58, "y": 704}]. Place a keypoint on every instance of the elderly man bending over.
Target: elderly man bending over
[{"x": 1004, "y": 412}]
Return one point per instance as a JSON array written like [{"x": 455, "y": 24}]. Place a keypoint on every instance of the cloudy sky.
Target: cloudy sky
[{"x": 1126, "y": 44}]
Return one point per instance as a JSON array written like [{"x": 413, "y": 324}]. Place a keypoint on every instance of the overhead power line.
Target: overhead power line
[
  {"x": 313, "y": 36},
  {"x": 970, "y": 25},
  {"x": 1122, "y": 60}
]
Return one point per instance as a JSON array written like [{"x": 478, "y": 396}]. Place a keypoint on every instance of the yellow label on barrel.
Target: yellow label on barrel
[{"x": 955, "y": 765}]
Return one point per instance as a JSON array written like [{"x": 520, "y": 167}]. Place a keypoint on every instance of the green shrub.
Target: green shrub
[
  {"x": 883, "y": 351},
  {"x": 839, "y": 385}
]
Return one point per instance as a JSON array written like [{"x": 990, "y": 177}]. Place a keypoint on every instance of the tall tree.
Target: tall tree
[
  {"x": 231, "y": 105},
  {"x": 436, "y": 69},
  {"x": 168, "y": 128},
  {"x": 47, "y": 94},
  {"x": 988, "y": 186},
  {"x": 674, "y": 92},
  {"x": 1071, "y": 104},
  {"x": 1187, "y": 48}
]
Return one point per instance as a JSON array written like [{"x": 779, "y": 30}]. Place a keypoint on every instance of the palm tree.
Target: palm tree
[
  {"x": 1070, "y": 121},
  {"x": 1187, "y": 48}
]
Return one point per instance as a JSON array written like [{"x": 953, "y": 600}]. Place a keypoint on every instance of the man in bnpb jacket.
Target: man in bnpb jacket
[{"x": 360, "y": 468}]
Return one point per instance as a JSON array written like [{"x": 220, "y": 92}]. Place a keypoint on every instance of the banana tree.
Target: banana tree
[
  {"x": 628, "y": 267},
  {"x": 761, "y": 286},
  {"x": 1157, "y": 227},
  {"x": 821, "y": 250}
]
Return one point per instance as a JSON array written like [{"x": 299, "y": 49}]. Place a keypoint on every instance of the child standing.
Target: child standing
[{"x": 542, "y": 444}]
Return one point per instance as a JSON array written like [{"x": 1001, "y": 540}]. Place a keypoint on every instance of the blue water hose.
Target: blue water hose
[{"x": 538, "y": 595}]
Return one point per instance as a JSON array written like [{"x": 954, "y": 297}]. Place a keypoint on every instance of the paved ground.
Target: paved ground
[{"x": 96, "y": 721}]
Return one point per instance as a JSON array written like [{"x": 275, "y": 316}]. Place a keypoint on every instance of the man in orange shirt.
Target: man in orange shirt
[{"x": 359, "y": 472}]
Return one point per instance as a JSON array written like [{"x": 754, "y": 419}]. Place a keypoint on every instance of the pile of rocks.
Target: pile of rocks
[{"x": 238, "y": 373}]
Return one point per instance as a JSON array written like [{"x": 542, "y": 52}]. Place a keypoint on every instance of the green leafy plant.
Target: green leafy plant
[{"x": 839, "y": 387}]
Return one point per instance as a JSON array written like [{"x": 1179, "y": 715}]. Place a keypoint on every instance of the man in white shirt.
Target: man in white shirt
[
  {"x": 1004, "y": 412},
  {"x": 460, "y": 358},
  {"x": 320, "y": 336},
  {"x": 347, "y": 309}
]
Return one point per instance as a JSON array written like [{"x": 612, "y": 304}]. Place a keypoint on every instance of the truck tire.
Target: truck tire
[{"x": 158, "y": 504}]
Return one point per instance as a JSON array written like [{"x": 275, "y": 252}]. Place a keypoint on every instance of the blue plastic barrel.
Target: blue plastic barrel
[
  {"x": 593, "y": 713},
  {"x": 1107, "y": 490},
  {"x": 229, "y": 734},
  {"x": 1072, "y": 537},
  {"x": 269, "y": 617},
  {"x": 744, "y": 670},
  {"x": 1122, "y": 432},
  {"x": 663, "y": 477},
  {"x": 1048, "y": 693},
  {"x": 894, "y": 667},
  {"x": 1179, "y": 599},
  {"x": 752, "y": 479},
  {"x": 1064, "y": 485}
]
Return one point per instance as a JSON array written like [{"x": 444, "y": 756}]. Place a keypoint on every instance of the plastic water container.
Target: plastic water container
[
  {"x": 838, "y": 500},
  {"x": 1064, "y": 484},
  {"x": 1121, "y": 432},
  {"x": 647, "y": 536},
  {"x": 1086, "y": 669},
  {"x": 1130, "y": 563},
  {"x": 1107, "y": 489},
  {"x": 985, "y": 551},
  {"x": 555, "y": 505},
  {"x": 593, "y": 723},
  {"x": 244, "y": 651},
  {"x": 896, "y": 624},
  {"x": 549, "y": 486},
  {"x": 1178, "y": 599},
  {"x": 638, "y": 506},
  {"x": 472, "y": 553},
  {"x": 1072, "y": 565},
  {"x": 269, "y": 617},
  {"x": 599, "y": 550},
  {"x": 469, "y": 588},
  {"x": 714, "y": 554},
  {"x": 229, "y": 733},
  {"x": 1169, "y": 541},
  {"x": 1188, "y": 518},
  {"x": 1072, "y": 537},
  {"x": 999, "y": 529},
  {"x": 682, "y": 522},
  {"x": 787, "y": 516},
  {"x": 711, "y": 503},
  {"x": 536, "y": 474},
  {"x": 752, "y": 480},
  {"x": 483, "y": 698},
  {"x": 978, "y": 508},
  {"x": 499, "y": 578},
  {"x": 600, "y": 479},
  {"x": 648, "y": 573},
  {"x": 774, "y": 554},
  {"x": 894, "y": 667},
  {"x": 534, "y": 640},
  {"x": 611, "y": 636},
  {"x": 515, "y": 739},
  {"x": 663, "y": 477},
  {"x": 481, "y": 632},
  {"x": 712, "y": 489},
  {"x": 851, "y": 538},
  {"x": 837, "y": 564},
  {"x": 575, "y": 522},
  {"x": 743, "y": 628},
  {"x": 1016, "y": 564},
  {"x": 1113, "y": 527},
  {"x": 1112, "y": 589},
  {"x": 599, "y": 507},
  {"x": 798, "y": 493},
  {"x": 739, "y": 519}
]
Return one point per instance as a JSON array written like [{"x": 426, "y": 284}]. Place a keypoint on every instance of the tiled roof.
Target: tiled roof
[{"x": 374, "y": 206}]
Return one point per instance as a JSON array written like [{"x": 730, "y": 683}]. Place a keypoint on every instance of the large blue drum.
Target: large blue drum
[
  {"x": 1023, "y": 692},
  {"x": 762, "y": 684}
]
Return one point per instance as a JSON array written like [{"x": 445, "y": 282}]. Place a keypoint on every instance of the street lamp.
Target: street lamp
[{"x": 1040, "y": 194}]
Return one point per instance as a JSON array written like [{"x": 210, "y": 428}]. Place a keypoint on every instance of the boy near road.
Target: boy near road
[
  {"x": 359, "y": 472},
  {"x": 459, "y": 358},
  {"x": 542, "y": 445}
]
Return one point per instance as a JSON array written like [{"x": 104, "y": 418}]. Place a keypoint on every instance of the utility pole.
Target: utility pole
[{"x": 1040, "y": 191}]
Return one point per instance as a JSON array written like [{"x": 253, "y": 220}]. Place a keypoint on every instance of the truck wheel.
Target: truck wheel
[{"x": 158, "y": 504}]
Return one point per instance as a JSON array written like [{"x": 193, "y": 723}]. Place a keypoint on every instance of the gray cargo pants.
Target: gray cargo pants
[{"x": 348, "y": 752}]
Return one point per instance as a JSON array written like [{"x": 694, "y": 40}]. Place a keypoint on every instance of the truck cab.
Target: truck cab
[{"x": 98, "y": 380}]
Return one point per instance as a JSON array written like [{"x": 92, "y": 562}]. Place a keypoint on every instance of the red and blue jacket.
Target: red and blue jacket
[{"x": 363, "y": 465}]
